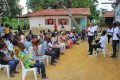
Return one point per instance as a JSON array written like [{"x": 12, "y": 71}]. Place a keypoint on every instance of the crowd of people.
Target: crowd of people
[
  {"x": 112, "y": 32},
  {"x": 33, "y": 49}
]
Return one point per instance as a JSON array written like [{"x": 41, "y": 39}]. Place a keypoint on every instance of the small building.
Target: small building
[
  {"x": 109, "y": 17},
  {"x": 46, "y": 19},
  {"x": 117, "y": 13}
]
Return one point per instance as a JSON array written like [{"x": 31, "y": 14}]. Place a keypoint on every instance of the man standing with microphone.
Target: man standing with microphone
[{"x": 90, "y": 31}]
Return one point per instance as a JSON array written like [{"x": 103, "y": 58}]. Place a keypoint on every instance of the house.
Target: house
[
  {"x": 112, "y": 16},
  {"x": 109, "y": 17},
  {"x": 117, "y": 13},
  {"x": 46, "y": 19}
]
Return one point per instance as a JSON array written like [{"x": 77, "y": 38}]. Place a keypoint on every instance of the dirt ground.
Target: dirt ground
[{"x": 75, "y": 64}]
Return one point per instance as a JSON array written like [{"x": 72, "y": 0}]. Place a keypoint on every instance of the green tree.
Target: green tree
[
  {"x": 44, "y": 4},
  {"x": 40, "y": 4},
  {"x": 10, "y": 8},
  {"x": 103, "y": 10}
]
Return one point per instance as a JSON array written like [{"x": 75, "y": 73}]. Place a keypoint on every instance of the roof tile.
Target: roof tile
[{"x": 61, "y": 12}]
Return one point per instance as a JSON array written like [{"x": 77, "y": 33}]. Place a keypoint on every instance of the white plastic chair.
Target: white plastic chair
[
  {"x": 47, "y": 60},
  {"x": 24, "y": 71},
  {"x": 103, "y": 51},
  {"x": 7, "y": 69}
]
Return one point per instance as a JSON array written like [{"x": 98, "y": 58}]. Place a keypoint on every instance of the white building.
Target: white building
[{"x": 46, "y": 19}]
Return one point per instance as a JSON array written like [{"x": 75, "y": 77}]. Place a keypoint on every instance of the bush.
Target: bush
[{"x": 13, "y": 22}]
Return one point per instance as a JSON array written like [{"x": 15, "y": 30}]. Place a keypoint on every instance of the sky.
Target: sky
[{"x": 105, "y": 6}]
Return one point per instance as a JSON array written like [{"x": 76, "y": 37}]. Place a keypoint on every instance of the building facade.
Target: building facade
[{"x": 47, "y": 19}]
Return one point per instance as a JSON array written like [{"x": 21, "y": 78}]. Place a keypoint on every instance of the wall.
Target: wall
[
  {"x": 83, "y": 22},
  {"x": 35, "y": 21},
  {"x": 117, "y": 13}
]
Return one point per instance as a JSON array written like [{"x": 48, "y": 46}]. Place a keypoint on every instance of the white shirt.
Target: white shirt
[
  {"x": 7, "y": 54},
  {"x": 103, "y": 41},
  {"x": 115, "y": 31},
  {"x": 22, "y": 37},
  {"x": 50, "y": 46},
  {"x": 91, "y": 29},
  {"x": 110, "y": 31},
  {"x": 95, "y": 28}
]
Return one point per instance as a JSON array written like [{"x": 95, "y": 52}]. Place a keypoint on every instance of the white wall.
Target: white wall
[
  {"x": 117, "y": 13},
  {"x": 35, "y": 21}
]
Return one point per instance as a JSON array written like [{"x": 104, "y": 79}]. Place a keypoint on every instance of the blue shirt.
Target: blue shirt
[
  {"x": 45, "y": 45},
  {"x": 27, "y": 44},
  {"x": 1, "y": 29},
  {"x": 41, "y": 49}
]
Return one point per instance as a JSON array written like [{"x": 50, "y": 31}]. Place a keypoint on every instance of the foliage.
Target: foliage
[
  {"x": 103, "y": 10},
  {"x": 44, "y": 4},
  {"x": 9, "y": 8},
  {"x": 13, "y": 22}
]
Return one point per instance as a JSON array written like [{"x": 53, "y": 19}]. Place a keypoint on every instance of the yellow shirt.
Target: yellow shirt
[
  {"x": 6, "y": 30},
  {"x": 17, "y": 50}
]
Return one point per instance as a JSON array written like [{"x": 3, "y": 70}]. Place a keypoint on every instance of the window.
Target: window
[
  {"x": 50, "y": 21},
  {"x": 63, "y": 21}
]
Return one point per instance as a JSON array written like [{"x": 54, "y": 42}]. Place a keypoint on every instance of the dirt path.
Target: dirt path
[{"x": 75, "y": 64}]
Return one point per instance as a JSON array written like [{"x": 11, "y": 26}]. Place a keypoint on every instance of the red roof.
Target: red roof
[
  {"x": 61, "y": 12},
  {"x": 109, "y": 14}
]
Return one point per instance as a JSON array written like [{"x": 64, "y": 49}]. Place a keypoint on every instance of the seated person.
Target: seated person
[
  {"x": 49, "y": 52},
  {"x": 99, "y": 44},
  {"x": 69, "y": 43},
  {"x": 16, "y": 48},
  {"x": 27, "y": 43},
  {"x": 30, "y": 63},
  {"x": 37, "y": 55},
  {"x": 54, "y": 48},
  {"x": 6, "y": 59}
]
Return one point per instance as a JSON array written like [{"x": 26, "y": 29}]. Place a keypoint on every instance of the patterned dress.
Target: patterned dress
[{"x": 26, "y": 60}]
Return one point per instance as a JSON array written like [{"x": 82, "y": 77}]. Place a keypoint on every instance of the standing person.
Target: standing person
[
  {"x": 55, "y": 27},
  {"x": 115, "y": 39},
  {"x": 83, "y": 35},
  {"x": 62, "y": 28},
  {"x": 95, "y": 30},
  {"x": 110, "y": 33},
  {"x": 90, "y": 31},
  {"x": 30, "y": 34}
]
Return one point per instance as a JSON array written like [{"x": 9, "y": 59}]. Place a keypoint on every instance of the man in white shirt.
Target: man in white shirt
[
  {"x": 109, "y": 33},
  {"x": 100, "y": 44},
  {"x": 115, "y": 39},
  {"x": 90, "y": 31}
]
